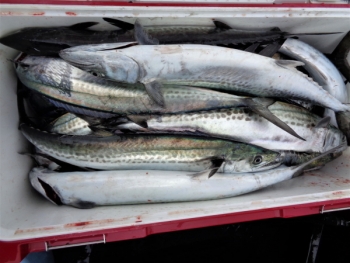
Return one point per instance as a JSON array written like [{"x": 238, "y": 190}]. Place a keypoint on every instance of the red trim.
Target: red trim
[
  {"x": 160, "y": 4},
  {"x": 14, "y": 252}
]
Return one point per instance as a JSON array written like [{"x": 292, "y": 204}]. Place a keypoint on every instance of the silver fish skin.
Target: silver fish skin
[
  {"x": 69, "y": 85},
  {"x": 320, "y": 68},
  {"x": 90, "y": 189},
  {"x": 245, "y": 126},
  {"x": 70, "y": 124},
  {"x": 153, "y": 152},
  {"x": 204, "y": 66}
]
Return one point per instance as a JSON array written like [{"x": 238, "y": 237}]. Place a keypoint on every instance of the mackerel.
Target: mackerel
[
  {"x": 201, "y": 65},
  {"x": 153, "y": 152},
  {"x": 82, "y": 93},
  {"x": 48, "y": 41},
  {"x": 320, "y": 68},
  {"x": 70, "y": 124},
  {"x": 245, "y": 126},
  {"x": 90, "y": 189}
]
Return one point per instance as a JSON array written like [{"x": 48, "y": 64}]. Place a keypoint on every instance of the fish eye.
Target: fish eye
[
  {"x": 257, "y": 159},
  {"x": 96, "y": 74}
]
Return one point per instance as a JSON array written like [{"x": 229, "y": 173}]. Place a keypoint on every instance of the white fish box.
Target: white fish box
[{"x": 28, "y": 222}]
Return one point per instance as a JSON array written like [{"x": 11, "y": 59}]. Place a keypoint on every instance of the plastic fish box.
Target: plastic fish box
[{"x": 28, "y": 222}]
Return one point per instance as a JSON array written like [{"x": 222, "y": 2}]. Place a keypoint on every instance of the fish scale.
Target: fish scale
[
  {"x": 151, "y": 152},
  {"x": 222, "y": 68},
  {"x": 78, "y": 189},
  {"x": 245, "y": 126},
  {"x": 67, "y": 84}
]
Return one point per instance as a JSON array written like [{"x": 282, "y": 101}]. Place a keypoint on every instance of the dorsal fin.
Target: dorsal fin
[
  {"x": 84, "y": 25},
  {"x": 142, "y": 36},
  {"x": 221, "y": 25},
  {"x": 118, "y": 23},
  {"x": 276, "y": 29}
]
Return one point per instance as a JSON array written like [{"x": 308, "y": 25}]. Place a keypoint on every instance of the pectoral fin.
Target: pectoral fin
[
  {"x": 142, "y": 36},
  {"x": 154, "y": 91},
  {"x": 214, "y": 167},
  {"x": 264, "y": 112}
]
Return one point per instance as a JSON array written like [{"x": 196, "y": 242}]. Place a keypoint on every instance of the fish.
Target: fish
[
  {"x": 79, "y": 92},
  {"x": 341, "y": 56},
  {"x": 153, "y": 152},
  {"x": 343, "y": 120},
  {"x": 90, "y": 189},
  {"x": 321, "y": 70},
  {"x": 201, "y": 65},
  {"x": 218, "y": 34},
  {"x": 241, "y": 125},
  {"x": 48, "y": 41},
  {"x": 70, "y": 124}
]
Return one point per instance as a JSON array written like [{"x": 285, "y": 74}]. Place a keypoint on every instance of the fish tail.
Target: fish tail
[{"x": 300, "y": 168}]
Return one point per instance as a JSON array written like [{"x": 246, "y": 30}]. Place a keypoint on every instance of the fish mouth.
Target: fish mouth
[{"x": 18, "y": 60}]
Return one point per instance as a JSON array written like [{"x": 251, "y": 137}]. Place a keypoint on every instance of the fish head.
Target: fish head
[
  {"x": 49, "y": 72},
  {"x": 17, "y": 40},
  {"x": 253, "y": 162},
  {"x": 106, "y": 63},
  {"x": 28, "y": 40}
]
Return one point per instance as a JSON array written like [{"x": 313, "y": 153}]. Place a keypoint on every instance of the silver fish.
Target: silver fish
[
  {"x": 82, "y": 93},
  {"x": 320, "y": 68},
  {"x": 90, "y": 189},
  {"x": 244, "y": 126},
  {"x": 70, "y": 124},
  {"x": 153, "y": 152},
  {"x": 201, "y": 65}
]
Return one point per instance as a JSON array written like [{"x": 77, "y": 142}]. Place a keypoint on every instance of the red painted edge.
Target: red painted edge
[
  {"x": 14, "y": 252},
  {"x": 162, "y": 4}
]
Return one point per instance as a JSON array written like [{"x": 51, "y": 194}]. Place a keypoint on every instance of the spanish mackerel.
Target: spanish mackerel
[
  {"x": 153, "y": 152},
  {"x": 201, "y": 65},
  {"x": 320, "y": 68},
  {"x": 48, "y": 41},
  {"x": 218, "y": 34},
  {"x": 90, "y": 189},
  {"x": 82, "y": 93},
  {"x": 244, "y": 126}
]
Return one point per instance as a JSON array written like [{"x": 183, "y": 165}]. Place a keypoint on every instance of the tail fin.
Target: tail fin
[{"x": 298, "y": 170}]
